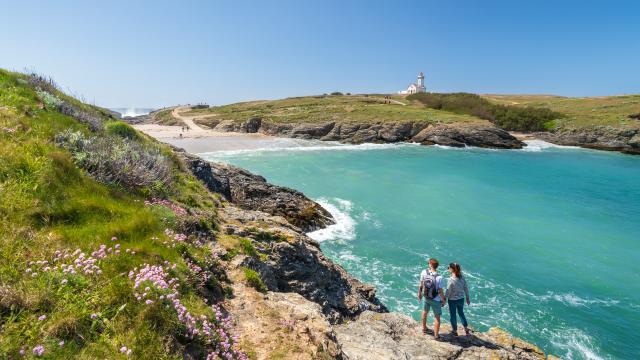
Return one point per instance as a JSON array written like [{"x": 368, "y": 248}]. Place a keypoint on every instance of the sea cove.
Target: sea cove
[{"x": 547, "y": 235}]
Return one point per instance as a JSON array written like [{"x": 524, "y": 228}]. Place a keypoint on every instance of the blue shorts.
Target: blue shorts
[{"x": 436, "y": 305}]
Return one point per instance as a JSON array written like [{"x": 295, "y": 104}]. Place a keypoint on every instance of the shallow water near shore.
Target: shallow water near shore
[{"x": 548, "y": 237}]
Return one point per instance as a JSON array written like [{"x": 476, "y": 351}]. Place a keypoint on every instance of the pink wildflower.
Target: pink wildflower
[
  {"x": 38, "y": 350},
  {"x": 42, "y": 317}
]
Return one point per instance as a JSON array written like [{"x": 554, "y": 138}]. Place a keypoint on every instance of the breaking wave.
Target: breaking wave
[
  {"x": 345, "y": 226},
  {"x": 296, "y": 145},
  {"x": 540, "y": 145}
]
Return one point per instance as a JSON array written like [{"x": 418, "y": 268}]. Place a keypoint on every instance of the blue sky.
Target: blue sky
[{"x": 156, "y": 53}]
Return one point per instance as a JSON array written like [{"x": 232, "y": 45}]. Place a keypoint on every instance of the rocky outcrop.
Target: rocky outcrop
[
  {"x": 395, "y": 336},
  {"x": 601, "y": 138},
  {"x": 476, "y": 134},
  {"x": 253, "y": 192},
  {"x": 295, "y": 263}
]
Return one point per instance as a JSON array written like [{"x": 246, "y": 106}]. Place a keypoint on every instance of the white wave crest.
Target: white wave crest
[
  {"x": 293, "y": 145},
  {"x": 576, "y": 344},
  {"x": 540, "y": 145},
  {"x": 345, "y": 226}
]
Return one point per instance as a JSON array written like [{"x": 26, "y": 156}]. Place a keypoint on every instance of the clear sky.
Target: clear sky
[{"x": 156, "y": 53}]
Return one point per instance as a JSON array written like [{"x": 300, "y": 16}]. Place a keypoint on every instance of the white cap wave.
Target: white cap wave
[{"x": 345, "y": 226}]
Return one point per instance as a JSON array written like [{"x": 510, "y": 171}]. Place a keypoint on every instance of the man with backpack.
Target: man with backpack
[{"x": 431, "y": 288}]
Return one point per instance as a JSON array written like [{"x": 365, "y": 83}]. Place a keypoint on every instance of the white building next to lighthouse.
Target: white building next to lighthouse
[{"x": 415, "y": 87}]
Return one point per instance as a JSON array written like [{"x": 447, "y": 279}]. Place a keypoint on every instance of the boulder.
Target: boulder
[
  {"x": 311, "y": 131},
  {"x": 485, "y": 136},
  {"x": 598, "y": 137}
]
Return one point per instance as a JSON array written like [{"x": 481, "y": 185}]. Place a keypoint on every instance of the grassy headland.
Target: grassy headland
[
  {"x": 582, "y": 112},
  {"x": 325, "y": 108},
  {"x": 510, "y": 112},
  {"x": 85, "y": 261}
]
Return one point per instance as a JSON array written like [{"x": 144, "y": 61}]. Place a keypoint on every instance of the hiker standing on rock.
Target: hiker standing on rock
[
  {"x": 457, "y": 291},
  {"x": 431, "y": 288}
]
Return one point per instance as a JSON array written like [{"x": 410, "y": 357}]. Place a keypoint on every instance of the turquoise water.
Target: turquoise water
[{"x": 549, "y": 239}]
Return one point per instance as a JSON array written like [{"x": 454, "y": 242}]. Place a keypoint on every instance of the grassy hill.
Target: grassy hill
[
  {"x": 325, "y": 108},
  {"x": 580, "y": 112},
  {"x": 86, "y": 258},
  {"x": 517, "y": 110}
]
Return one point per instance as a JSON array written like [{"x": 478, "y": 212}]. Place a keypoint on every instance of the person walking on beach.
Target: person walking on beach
[
  {"x": 457, "y": 291},
  {"x": 431, "y": 288}
]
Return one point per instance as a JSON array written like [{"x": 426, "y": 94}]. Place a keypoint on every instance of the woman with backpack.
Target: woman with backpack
[{"x": 457, "y": 291}]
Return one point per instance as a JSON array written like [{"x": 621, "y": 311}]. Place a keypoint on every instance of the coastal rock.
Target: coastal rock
[
  {"x": 298, "y": 265},
  {"x": 252, "y": 125},
  {"x": 601, "y": 138},
  {"x": 250, "y": 191},
  {"x": 394, "y": 132},
  {"x": 392, "y": 336},
  {"x": 275, "y": 129},
  {"x": 311, "y": 131},
  {"x": 385, "y": 132},
  {"x": 226, "y": 126},
  {"x": 472, "y": 135},
  {"x": 281, "y": 323}
]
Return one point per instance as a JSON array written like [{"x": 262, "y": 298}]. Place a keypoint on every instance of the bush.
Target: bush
[
  {"x": 41, "y": 82},
  {"x": 247, "y": 247},
  {"x": 506, "y": 117},
  {"x": 121, "y": 129},
  {"x": 336, "y": 93},
  {"x": 254, "y": 280},
  {"x": 117, "y": 161}
]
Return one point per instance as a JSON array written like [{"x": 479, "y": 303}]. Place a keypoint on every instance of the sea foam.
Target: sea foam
[
  {"x": 540, "y": 145},
  {"x": 345, "y": 226}
]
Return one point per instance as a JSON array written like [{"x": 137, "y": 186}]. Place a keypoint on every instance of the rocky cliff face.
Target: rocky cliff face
[
  {"x": 480, "y": 135},
  {"x": 313, "y": 308},
  {"x": 253, "y": 192},
  {"x": 601, "y": 138}
]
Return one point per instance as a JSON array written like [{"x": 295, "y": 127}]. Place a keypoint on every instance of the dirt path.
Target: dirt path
[{"x": 188, "y": 120}]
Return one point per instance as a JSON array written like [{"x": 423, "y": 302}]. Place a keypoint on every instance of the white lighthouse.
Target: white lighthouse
[{"x": 415, "y": 87}]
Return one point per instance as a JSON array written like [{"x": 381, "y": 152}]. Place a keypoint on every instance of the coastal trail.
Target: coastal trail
[{"x": 188, "y": 120}]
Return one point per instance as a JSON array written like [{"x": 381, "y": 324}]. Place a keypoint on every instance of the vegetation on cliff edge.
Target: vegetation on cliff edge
[{"x": 91, "y": 267}]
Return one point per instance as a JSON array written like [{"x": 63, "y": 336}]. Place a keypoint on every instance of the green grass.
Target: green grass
[
  {"x": 581, "y": 112},
  {"x": 165, "y": 117},
  {"x": 47, "y": 204},
  {"x": 253, "y": 279},
  {"x": 351, "y": 108}
]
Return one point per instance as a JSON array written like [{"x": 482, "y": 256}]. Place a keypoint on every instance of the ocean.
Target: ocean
[{"x": 548, "y": 237}]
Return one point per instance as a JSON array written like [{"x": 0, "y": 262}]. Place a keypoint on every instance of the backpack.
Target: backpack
[{"x": 430, "y": 285}]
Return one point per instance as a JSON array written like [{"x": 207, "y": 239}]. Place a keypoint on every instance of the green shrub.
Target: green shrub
[
  {"x": 266, "y": 236},
  {"x": 117, "y": 161},
  {"x": 506, "y": 117},
  {"x": 121, "y": 129},
  {"x": 247, "y": 247},
  {"x": 337, "y": 93},
  {"x": 254, "y": 280}
]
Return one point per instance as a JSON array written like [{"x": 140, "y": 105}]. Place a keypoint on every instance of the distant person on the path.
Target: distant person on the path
[
  {"x": 457, "y": 291},
  {"x": 431, "y": 288}
]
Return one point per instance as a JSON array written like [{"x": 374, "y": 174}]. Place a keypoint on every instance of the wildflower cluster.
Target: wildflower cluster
[
  {"x": 174, "y": 238},
  {"x": 157, "y": 286},
  {"x": 76, "y": 262},
  {"x": 201, "y": 275},
  {"x": 179, "y": 211}
]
